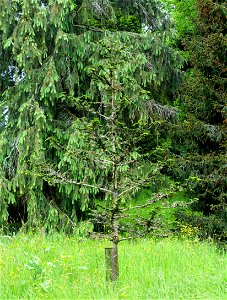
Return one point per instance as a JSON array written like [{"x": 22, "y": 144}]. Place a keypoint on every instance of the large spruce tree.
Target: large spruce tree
[{"x": 46, "y": 48}]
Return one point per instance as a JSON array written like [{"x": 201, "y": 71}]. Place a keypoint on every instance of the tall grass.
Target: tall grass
[{"x": 59, "y": 267}]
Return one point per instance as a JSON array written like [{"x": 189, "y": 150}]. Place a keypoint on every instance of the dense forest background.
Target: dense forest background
[{"x": 112, "y": 103}]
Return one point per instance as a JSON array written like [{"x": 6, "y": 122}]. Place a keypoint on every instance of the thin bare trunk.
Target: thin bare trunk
[{"x": 112, "y": 271}]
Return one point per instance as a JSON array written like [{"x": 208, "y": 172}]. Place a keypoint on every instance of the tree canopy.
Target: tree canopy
[
  {"x": 73, "y": 73},
  {"x": 54, "y": 48}
]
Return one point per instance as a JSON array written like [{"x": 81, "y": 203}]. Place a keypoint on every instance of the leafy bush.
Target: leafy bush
[{"x": 203, "y": 227}]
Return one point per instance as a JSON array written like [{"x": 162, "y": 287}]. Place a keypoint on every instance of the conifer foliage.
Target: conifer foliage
[
  {"x": 203, "y": 133},
  {"x": 57, "y": 68}
]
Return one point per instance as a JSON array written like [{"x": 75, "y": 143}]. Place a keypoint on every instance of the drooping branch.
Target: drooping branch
[
  {"x": 57, "y": 177},
  {"x": 164, "y": 111}
]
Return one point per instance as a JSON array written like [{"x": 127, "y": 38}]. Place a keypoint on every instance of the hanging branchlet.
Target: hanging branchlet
[{"x": 162, "y": 111}]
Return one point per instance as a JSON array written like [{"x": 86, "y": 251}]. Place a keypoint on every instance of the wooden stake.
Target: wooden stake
[{"x": 112, "y": 270}]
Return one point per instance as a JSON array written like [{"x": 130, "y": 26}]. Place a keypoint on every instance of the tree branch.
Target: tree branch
[
  {"x": 131, "y": 188},
  {"x": 58, "y": 178},
  {"x": 150, "y": 202}
]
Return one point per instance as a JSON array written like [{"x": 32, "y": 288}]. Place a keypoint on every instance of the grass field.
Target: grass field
[{"x": 59, "y": 267}]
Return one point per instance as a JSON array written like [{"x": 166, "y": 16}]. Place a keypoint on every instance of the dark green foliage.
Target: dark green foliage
[
  {"x": 49, "y": 49},
  {"x": 211, "y": 228},
  {"x": 201, "y": 138}
]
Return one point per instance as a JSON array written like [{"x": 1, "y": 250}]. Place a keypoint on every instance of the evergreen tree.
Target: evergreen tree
[
  {"x": 102, "y": 157},
  {"x": 201, "y": 141},
  {"x": 47, "y": 47}
]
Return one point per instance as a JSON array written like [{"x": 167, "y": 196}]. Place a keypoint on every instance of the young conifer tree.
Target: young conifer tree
[{"x": 102, "y": 156}]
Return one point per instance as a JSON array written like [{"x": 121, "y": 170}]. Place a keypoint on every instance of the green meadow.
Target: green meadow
[{"x": 34, "y": 266}]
